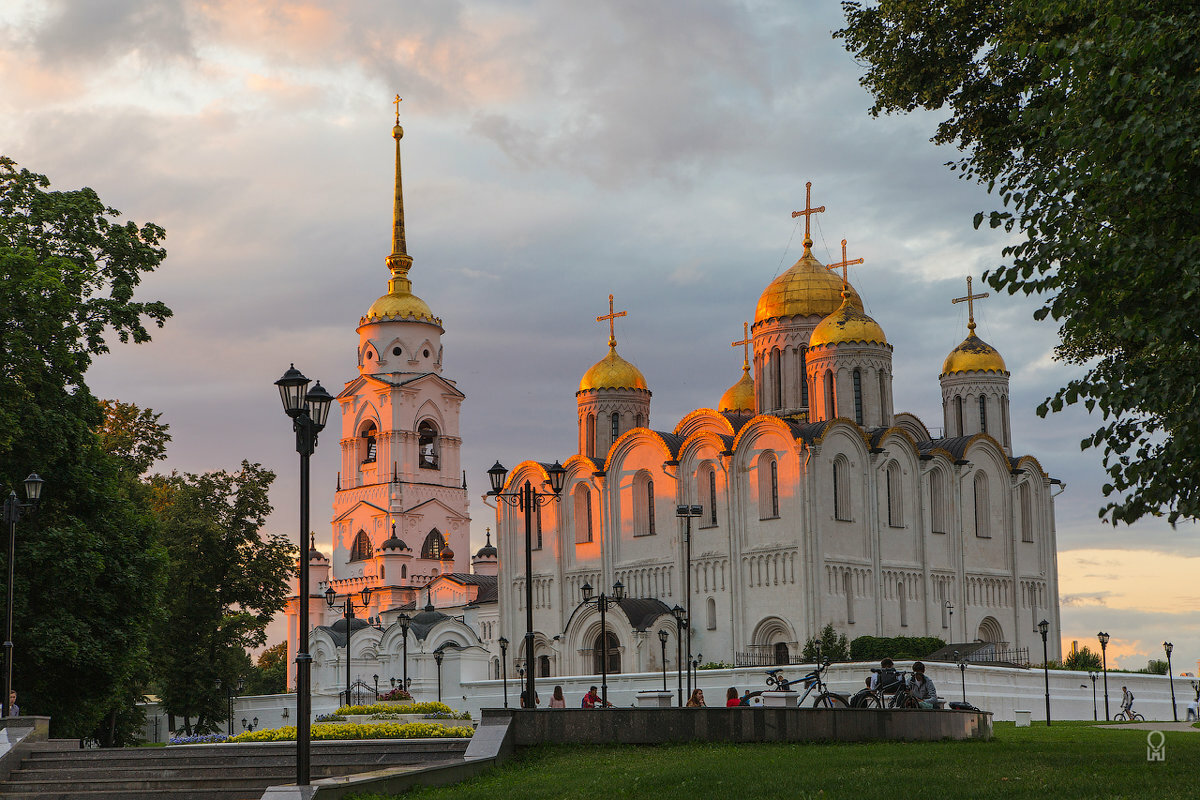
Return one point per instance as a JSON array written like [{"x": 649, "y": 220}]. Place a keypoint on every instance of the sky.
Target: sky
[{"x": 554, "y": 153}]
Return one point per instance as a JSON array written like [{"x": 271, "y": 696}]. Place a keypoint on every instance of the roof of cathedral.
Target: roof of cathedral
[
  {"x": 393, "y": 542},
  {"x": 612, "y": 372},
  {"x": 740, "y": 396},
  {"x": 847, "y": 324},
  {"x": 487, "y": 551},
  {"x": 337, "y": 631},
  {"x": 736, "y": 421},
  {"x": 425, "y": 621},
  {"x": 643, "y": 611},
  {"x": 807, "y": 289},
  {"x": 486, "y": 583},
  {"x": 973, "y": 355},
  {"x": 673, "y": 441}
]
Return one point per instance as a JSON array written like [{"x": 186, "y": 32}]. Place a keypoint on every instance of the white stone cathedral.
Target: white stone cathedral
[{"x": 818, "y": 504}]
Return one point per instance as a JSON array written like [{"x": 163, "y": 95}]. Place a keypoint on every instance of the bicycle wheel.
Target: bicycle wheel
[
  {"x": 1119, "y": 717},
  {"x": 905, "y": 700},
  {"x": 1138, "y": 718},
  {"x": 830, "y": 700}
]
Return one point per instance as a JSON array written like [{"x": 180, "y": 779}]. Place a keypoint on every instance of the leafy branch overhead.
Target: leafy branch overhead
[{"x": 1080, "y": 117}]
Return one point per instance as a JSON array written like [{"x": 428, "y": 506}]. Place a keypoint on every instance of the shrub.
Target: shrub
[
  {"x": 411, "y": 708},
  {"x": 876, "y": 648},
  {"x": 1082, "y": 660},
  {"x": 395, "y": 694},
  {"x": 369, "y": 730},
  {"x": 715, "y": 665},
  {"x": 832, "y": 646}
]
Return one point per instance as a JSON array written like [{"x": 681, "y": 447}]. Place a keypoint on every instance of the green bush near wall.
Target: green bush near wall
[{"x": 875, "y": 648}]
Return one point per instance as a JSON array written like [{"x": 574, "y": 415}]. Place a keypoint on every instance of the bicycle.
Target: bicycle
[
  {"x": 824, "y": 698},
  {"x": 1128, "y": 716},
  {"x": 884, "y": 695}
]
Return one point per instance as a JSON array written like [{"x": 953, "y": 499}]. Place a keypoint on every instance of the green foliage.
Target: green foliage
[
  {"x": 832, "y": 646},
  {"x": 1080, "y": 117},
  {"x": 876, "y": 648},
  {"x": 88, "y": 567},
  {"x": 1155, "y": 666},
  {"x": 716, "y": 665},
  {"x": 1083, "y": 659},
  {"x": 269, "y": 674},
  {"x": 226, "y": 581},
  {"x": 368, "y": 730}
]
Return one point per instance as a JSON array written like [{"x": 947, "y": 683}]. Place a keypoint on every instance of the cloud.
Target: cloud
[{"x": 1092, "y": 599}]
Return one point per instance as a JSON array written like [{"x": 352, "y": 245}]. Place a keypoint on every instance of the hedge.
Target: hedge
[{"x": 876, "y": 648}]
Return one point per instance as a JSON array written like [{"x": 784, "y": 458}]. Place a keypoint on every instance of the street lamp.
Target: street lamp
[
  {"x": 249, "y": 726},
  {"x": 230, "y": 693},
  {"x": 694, "y": 672},
  {"x": 347, "y": 607},
  {"x": 12, "y": 513},
  {"x": 1103, "y": 637},
  {"x": 1095, "y": 713},
  {"x": 681, "y": 622},
  {"x": 376, "y": 677},
  {"x": 504, "y": 667},
  {"x": 1168, "y": 647},
  {"x": 962, "y": 668},
  {"x": 528, "y": 501},
  {"x": 1044, "y": 629},
  {"x": 308, "y": 409},
  {"x": 437, "y": 656},
  {"x": 602, "y": 601},
  {"x": 404, "y": 620},
  {"x": 662, "y": 639},
  {"x": 687, "y": 513},
  {"x": 284, "y": 715},
  {"x": 950, "y": 624}
]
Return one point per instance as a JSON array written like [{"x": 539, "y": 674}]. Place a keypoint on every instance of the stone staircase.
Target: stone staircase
[{"x": 58, "y": 770}]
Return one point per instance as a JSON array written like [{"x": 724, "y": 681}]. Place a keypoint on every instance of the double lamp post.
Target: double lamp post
[
  {"x": 12, "y": 514},
  {"x": 602, "y": 602},
  {"x": 347, "y": 608}
]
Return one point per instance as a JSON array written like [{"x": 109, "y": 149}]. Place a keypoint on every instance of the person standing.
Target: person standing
[
  {"x": 558, "y": 701},
  {"x": 14, "y": 710}
]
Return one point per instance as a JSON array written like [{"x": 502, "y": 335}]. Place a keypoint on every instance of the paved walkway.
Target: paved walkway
[{"x": 1150, "y": 726}]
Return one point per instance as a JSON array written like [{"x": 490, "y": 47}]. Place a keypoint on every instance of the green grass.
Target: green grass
[{"x": 1067, "y": 760}]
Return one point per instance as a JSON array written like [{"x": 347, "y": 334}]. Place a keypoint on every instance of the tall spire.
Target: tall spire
[{"x": 399, "y": 262}]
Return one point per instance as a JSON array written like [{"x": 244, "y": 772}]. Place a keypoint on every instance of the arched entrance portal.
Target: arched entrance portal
[
  {"x": 612, "y": 653},
  {"x": 990, "y": 631}
]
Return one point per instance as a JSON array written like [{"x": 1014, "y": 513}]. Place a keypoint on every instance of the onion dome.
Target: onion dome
[
  {"x": 313, "y": 553},
  {"x": 847, "y": 324},
  {"x": 739, "y": 398},
  {"x": 447, "y": 554},
  {"x": 807, "y": 289},
  {"x": 487, "y": 551},
  {"x": 393, "y": 542},
  {"x": 612, "y": 372},
  {"x": 973, "y": 355}
]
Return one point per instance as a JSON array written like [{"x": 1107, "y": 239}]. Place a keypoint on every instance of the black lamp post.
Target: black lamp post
[
  {"x": 249, "y": 726},
  {"x": 504, "y": 667},
  {"x": 284, "y": 715},
  {"x": 681, "y": 622},
  {"x": 1044, "y": 629},
  {"x": 528, "y": 501},
  {"x": 1095, "y": 713},
  {"x": 687, "y": 513},
  {"x": 437, "y": 656},
  {"x": 962, "y": 668},
  {"x": 376, "y": 677},
  {"x": 404, "y": 621},
  {"x": 12, "y": 514},
  {"x": 694, "y": 672},
  {"x": 231, "y": 692},
  {"x": 1168, "y": 647},
  {"x": 308, "y": 409},
  {"x": 950, "y": 624},
  {"x": 602, "y": 601},
  {"x": 662, "y": 639},
  {"x": 347, "y": 607},
  {"x": 1103, "y": 637}
]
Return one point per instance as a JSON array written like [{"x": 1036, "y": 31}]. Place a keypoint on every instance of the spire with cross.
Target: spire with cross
[
  {"x": 610, "y": 316},
  {"x": 970, "y": 299},
  {"x": 844, "y": 266},
  {"x": 807, "y": 214},
  {"x": 745, "y": 345},
  {"x": 399, "y": 262}
]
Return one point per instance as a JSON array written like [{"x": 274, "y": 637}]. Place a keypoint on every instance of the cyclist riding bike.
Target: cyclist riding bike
[{"x": 1127, "y": 702}]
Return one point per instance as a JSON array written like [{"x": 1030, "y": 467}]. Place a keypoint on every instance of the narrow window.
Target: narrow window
[
  {"x": 903, "y": 604},
  {"x": 369, "y": 436},
  {"x": 590, "y": 433},
  {"x": 883, "y": 401},
  {"x": 804, "y": 377},
  {"x": 711, "y": 608},
  {"x": 894, "y": 496},
  {"x": 583, "y": 514},
  {"x": 712, "y": 497},
  {"x": 538, "y": 544},
  {"x": 1004, "y": 419},
  {"x": 543, "y": 666},
  {"x": 858, "y": 404},
  {"x": 848, "y": 585},
  {"x": 650, "y": 506},
  {"x": 777, "y": 377},
  {"x": 403, "y": 570},
  {"x": 361, "y": 549},
  {"x": 782, "y": 657},
  {"x": 837, "y": 511},
  {"x": 983, "y": 413},
  {"x": 959, "y": 415},
  {"x": 981, "y": 507},
  {"x": 638, "y": 422},
  {"x": 841, "y": 489},
  {"x": 616, "y": 426},
  {"x": 937, "y": 502},
  {"x": 830, "y": 409},
  {"x": 768, "y": 488},
  {"x": 1026, "y": 513},
  {"x": 774, "y": 488},
  {"x": 427, "y": 445}
]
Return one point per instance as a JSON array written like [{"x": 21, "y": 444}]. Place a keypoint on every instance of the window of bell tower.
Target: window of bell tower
[{"x": 427, "y": 445}]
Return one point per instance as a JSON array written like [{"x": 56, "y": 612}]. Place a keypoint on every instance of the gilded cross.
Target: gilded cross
[
  {"x": 970, "y": 301},
  {"x": 808, "y": 211},
  {"x": 396, "y": 103},
  {"x": 844, "y": 265},
  {"x": 610, "y": 316},
  {"x": 745, "y": 345}
]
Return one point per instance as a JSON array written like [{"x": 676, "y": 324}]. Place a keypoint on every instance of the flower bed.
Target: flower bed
[
  {"x": 352, "y": 730},
  {"x": 392, "y": 708},
  {"x": 199, "y": 738}
]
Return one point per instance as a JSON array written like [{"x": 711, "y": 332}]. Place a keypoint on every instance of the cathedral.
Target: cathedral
[{"x": 802, "y": 499}]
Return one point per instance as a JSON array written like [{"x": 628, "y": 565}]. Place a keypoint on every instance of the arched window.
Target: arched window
[
  {"x": 643, "y": 504},
  {"x": 710, "y": 607},
  {"x": 937, "y": 501},
  {"x": 895, "y": 496},
  {"x": 804, "y": 377},
  {"x": 638, "y": 421},
  {"x": 841, "y": 488},
  {"x": 537, "y": 544},
  {"x": 883, "y": 395},
  {"x": 1026, "y": 513},
  {"x": 830, "y": 399},
  {"x": 361, "y": 549},
  {"x": 616, "y": 426},
  {"x": 858, "y": 403},
  {"x": 777, "y": 377},
  {"x": 427, "y": 445},
  {"x": 496, "y": 669},
  {"x": 650, "y": 505},
  {"x": 434, "y": 544},
  {"x": 848, "y": 585},
  {"x": 782, "y": 656},
  {"x": 606, "y": 647},
  {"x": 768, "y": 486},
  {"x": 583, "y": 514},
  {"x": 982, "y": 507},
  {"x": 903, "y": 604},
  {"x": 1004, "y": 419},
  {"x": 590, "y": 434},
  {"x": 958, "y": 415},
  {"x": 404, "y": 570},
  {"x": 369, "y": 442},
  {"x": 543, "y": 666},
  {"x": 983, "y": 413},
  {"x": 712, "y": 496}
]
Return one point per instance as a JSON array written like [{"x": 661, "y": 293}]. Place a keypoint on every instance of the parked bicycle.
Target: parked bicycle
[
  {"x": 891, "y": 691},
  {"x": 812, "y": 682}
]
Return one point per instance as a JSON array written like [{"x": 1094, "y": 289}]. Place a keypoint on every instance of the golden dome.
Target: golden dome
[
  {"x": 612, "y": 372},
  {"x": 739, "y": 398},
  {"x": 807, "y": 289},
  {"x": 400, "y": 304},
  {"x": 847, "y": 324},
  {"x": 973, "y": 355}
]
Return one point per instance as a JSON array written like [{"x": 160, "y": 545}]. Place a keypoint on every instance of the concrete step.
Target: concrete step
[{"x": 134, "y": 771}]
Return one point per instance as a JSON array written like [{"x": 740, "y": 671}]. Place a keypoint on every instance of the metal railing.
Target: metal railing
[
  {"x": 765, "y": 657},
  {"x": 1013, "y": 655}
]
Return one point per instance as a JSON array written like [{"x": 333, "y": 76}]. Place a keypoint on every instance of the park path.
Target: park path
[{"x": 1151, "y": 726}]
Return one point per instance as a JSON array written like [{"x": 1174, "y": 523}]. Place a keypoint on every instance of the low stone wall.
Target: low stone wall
[{"x": 748, "y": 724}]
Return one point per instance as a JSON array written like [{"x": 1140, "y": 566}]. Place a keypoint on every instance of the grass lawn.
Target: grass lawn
[{"x": 1067, "y": 760}]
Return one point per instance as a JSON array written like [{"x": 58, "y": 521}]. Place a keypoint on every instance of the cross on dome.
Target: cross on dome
[
  {"x": 844, "y": 264},
  {"x": 610, "y": 316},
  {"x": 970, "y": 301},
  {"x": 807, "y": 213},
  {"x": 745, "y": 345}
]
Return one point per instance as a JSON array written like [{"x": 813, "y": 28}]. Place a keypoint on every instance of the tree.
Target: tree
[
  {"x": 1155, "y": 666},
  {"x": 832, "y": 646},
  {"x": 225, "y": 583},
  {"x": 88, "y": 568},
  {"x": 269, "y": 674},
  {"x": 1080, "y": 117},
  {"x": 134, "y": 436},
  {"x": 1082, "y": 660}
]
